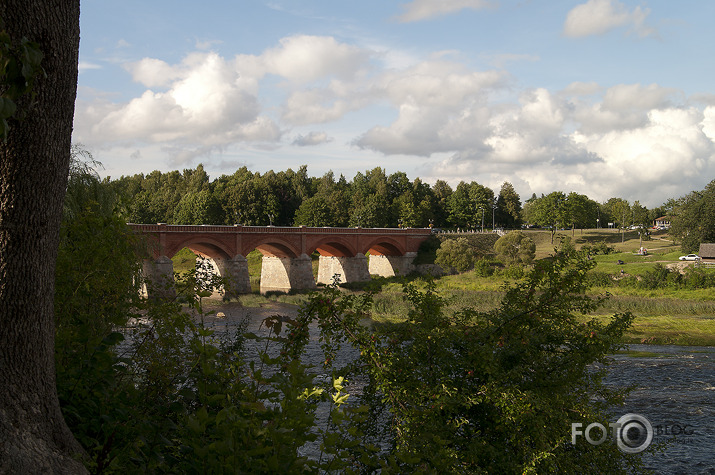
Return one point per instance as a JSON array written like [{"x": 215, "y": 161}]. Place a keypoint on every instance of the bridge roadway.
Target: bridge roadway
[{"x": 286, "y": 253}]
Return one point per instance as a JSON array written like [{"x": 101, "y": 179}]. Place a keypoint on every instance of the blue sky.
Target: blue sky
[{"x": 602, "y": 97}]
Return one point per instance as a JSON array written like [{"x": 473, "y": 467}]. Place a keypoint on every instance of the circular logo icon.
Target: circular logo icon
[{"x": 633, "y": 433}]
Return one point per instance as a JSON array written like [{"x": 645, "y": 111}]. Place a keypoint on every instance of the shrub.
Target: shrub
[
  {"x": 696, "y": 278},
  {"x": 483, "y": 268},
  {"x": 515, "y": 272},
  {"x": 485, "y": 392},
  {"x": 515, "y": 247},
  {"x": 656, "y": 278},
  {"x": 599, "y": 279},
  {"x": 456, "y": 254}
]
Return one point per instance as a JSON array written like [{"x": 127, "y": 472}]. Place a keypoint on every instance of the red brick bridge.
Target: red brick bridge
[{"x": 286, "y": 253}]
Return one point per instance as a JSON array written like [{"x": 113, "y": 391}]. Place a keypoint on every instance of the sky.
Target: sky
[{"x": 605, "y": 98}]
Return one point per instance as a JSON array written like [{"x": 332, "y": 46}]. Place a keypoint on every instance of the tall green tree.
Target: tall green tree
[
  {"x": 456, "y": 254},
  {"x": 693, "y": 218},
  {"x": 618, "y": 211},
  {"x": 508, "y": 206},
  {"x": 441, "y": 192},
  {"x": 471, "y": 205},
  {"x": 485, "y": 392},
  {"x": 641, "y": 215},
  {"x": 551, "y": 211}
]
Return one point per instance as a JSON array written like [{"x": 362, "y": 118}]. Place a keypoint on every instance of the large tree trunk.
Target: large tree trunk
[{"x": 33, "y": 174}]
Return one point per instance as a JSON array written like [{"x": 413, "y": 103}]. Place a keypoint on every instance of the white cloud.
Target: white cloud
[
  {"x": 441, "y": 107},
  {"x": 652, "y": 161},
  {"x": 152, "y": 72},
  {"x": 204, "y": 103},
  {"x": 313, "y": 107},
  {"x": 313, "y": 138},
  {"x": 83, "y": 66},
  {"x": 624, "y": 106},
  {"x": 648, "y": 161},
  {"x": 418, "y": 10},
  {"x": 597, "y": 17},
  {"x": 303, "y": 59},
  {"x": 582, "y": 88},
  {"x": 708, "y": 123}
]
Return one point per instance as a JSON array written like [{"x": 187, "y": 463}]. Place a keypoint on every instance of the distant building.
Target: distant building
[
  {"x": 707, "y": 252},
  {"x": 662, "y": 221}
]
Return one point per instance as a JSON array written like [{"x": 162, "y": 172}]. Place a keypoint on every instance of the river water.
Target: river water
[
  {"x": 674, "y": 388},
  {"x": 675, "y": 391}
]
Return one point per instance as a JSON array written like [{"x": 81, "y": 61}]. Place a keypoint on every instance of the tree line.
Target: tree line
[
  {"x": 292, "y": 198},
  {"x": 370, "y": 199}
]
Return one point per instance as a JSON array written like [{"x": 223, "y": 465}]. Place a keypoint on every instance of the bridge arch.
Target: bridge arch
[
  {"x": 271, "y": 246},
  {"x": 384, "y": 246},
  {"x": 333, "y": 247},
  {"x": 201, "y": 245}
]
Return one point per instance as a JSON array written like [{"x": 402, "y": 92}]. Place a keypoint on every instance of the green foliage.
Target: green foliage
[
  {"x": 693, "y": 220},
  {"x": 486, "y": 392},
  {"x": 508, "y": 207},
  {"x": 96, "y": 292},
  {"x": 599, "y": 279},
  {"x": 657, "y": 278},
  {"x": 483, "y": 268},
  {"x": 456, "y": 254},
  {"x": 513, "y": 272},
  {"x": 619, "y": 211},
  {"x": 198, "y": 208},
  {"x": 470, "y": 205},
  {"x": 515, "y": 247},
  {"x": 597, "y": 248},
  {"x": 315, "y": 211},
  {"x": 427, "y": 252}
]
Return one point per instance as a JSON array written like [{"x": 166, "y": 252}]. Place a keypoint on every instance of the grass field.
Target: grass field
[{"x": 681, "y": 317}]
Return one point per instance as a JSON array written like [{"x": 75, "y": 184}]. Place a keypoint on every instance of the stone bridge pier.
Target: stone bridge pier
[
  {"x": 286, "y": 263},
  {"x": 282, "y": 274},
  {"x": 235, "y": 271},
  {"x": 159, "y": 277},
  {"x": 346, "y": 269},
  {"x": 390, "y": 266}
]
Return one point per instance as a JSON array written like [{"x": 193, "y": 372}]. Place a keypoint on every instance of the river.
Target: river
[
  {"x": 675, "y": 391},
  {"x": 674, "y": 388}
]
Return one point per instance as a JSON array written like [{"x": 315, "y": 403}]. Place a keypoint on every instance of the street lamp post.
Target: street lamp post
[{"x": 494, "y": 208}]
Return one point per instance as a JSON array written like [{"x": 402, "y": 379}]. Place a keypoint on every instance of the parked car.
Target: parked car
[{"x": 690, "y": 257}]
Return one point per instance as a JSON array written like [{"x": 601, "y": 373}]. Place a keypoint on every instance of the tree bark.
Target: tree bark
[{"x": 34, "y": 164}]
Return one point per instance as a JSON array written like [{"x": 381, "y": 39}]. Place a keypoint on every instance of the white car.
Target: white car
[{"x": 690, "y": 257}]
